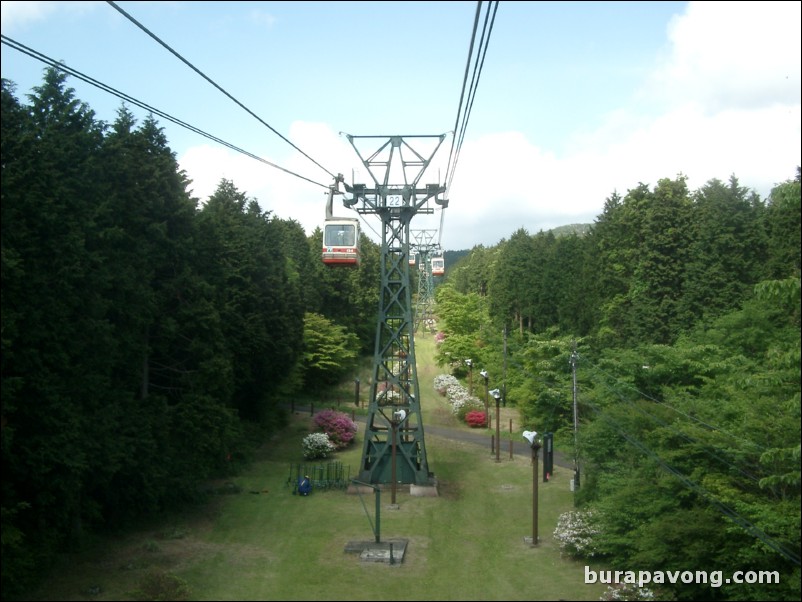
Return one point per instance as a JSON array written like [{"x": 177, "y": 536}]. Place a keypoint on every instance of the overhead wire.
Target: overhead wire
[
  {"x": 737, "y": 518},
  {"x": 126, "y": 97},
  {"x": 681, "y": 434},
  {"x": 213, "y": 83},
  {"x": 703, "y": 423},
  {"x": 460, "y": 128},
  {"x": 461, "y": 121},
  {"x": 477, "y": 71}
]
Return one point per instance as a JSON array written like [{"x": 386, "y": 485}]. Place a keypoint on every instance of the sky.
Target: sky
[{"x": 574, "y": 101}]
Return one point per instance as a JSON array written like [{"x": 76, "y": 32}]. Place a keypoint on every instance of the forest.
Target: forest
[
  {"x": 678, "y": 316},
  {"x": 150, "y": 339}
]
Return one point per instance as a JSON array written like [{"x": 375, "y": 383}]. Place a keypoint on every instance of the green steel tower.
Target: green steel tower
[
  {"x": 424, "y": 246},
  {"x": 394, "y": 449}
]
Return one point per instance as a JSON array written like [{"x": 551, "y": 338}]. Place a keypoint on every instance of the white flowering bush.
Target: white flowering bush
[
  {"x": 443, "y": 381},
  {"x": 316, "y": 446},
  {"x": 461, "y": 402},
  {"x": 457, "y": 396},
  {"x": 575, "y": 533},
  {"x": 388, "y": 397},
  {"x": 626, "y": 591}
]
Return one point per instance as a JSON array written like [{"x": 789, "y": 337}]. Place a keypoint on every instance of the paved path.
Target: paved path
[{"x": 482, "y": 437}]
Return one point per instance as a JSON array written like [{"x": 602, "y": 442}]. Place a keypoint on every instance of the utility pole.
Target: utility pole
[
  {"x": 394, "y": 386},
  {"x": 574, "y": 358},
  {"x": 504, "y": 375}
]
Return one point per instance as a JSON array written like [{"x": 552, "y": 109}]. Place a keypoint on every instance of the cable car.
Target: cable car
[
  {"x": 341, "y": 241},
  {"x": 412, "y": 256},
  {"x": 438, "y": 266},
  {"x": 340, "y": 235}
]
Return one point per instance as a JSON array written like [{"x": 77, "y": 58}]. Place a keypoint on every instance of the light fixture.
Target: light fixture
[{"x": 534, "y": 443}]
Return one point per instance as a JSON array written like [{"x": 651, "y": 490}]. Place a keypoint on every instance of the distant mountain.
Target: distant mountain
[{"x": 580, "y": 229}]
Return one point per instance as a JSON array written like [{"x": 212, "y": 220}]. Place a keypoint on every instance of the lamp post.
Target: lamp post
[
  {"x": 398, "y": 417},
  {"x": 356, "y": 392},
  {"x": 534, "y": 443},
  {"x": 469, "y": 363},
  {"x": 497, "y": 396},
  {"x": 486, "y": 376}
]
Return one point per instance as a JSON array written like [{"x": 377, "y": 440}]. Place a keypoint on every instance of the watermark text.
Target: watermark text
[{"x": 713, "y": 578}]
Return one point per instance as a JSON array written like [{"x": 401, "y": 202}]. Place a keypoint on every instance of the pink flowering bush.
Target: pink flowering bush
[
  {"x": 440, "y": 337},
  {"x": 338, "y": 426},
  {"x": 476, "y": 419}
]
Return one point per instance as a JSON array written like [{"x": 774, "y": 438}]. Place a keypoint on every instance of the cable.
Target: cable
[
  {"x": 69, "y": 70},
  {"x": 461, "y": 127},
  {"x": 203, "y": 75},
  {"x": 726, "y": 510},
  {"x": 684, "y": 436},
  {"x": 485, "y": 39},
  {"x": 697, "y": 420},
  {"x": 464, "y": 81}
]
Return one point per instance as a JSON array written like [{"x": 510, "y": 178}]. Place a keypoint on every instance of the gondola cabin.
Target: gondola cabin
[
  {"x": 438, "y": 266},
  {"x": 341, "y": 242},
  {"x": 412, "y": 256}
]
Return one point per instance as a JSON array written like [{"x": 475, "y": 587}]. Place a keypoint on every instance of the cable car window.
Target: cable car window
[{"x": 340, "y": 235}]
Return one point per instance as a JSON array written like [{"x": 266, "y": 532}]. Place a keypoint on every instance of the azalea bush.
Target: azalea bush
[
  {"x": 476, "y": 419},
  {"x": 317, "y": 446},
  {"x": 338, "y": 426},
  {"x": 576, "y": 531},
  {"x": 443, "y": 381},
  {"x": 457, "y": 397},
  {"x": 626, "y": 591}
]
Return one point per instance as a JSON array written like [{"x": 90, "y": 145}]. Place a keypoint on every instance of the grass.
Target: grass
[{"x": 257, "y": 541}]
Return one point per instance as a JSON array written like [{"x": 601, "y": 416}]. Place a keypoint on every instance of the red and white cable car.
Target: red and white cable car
[
  {"x": 341, "y": 241},
  {"x": 340, "y": 235},
  {"x": 438, "y": 266}
]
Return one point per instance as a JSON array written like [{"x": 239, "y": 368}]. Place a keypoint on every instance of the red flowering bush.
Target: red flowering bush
[
  {"x": 476, "y": 419},
  {"x": 338, "y": 426}
]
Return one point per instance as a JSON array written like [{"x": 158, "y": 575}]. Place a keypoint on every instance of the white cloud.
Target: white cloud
[
  {"x": 262, "y": 18},
  {"x": 725, "y": 100},
  {"x": 15, "y": 16},
  {"x": 733, "y": 55},
  {"x": 284, "y": 194}
]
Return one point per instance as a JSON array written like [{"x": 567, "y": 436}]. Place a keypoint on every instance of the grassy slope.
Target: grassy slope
[{"x": 267, "y": 544}]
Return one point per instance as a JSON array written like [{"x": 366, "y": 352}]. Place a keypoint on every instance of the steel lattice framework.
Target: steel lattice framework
[
  {"x": 424, "y": 245},
  {"x": 394, "y": 448}
]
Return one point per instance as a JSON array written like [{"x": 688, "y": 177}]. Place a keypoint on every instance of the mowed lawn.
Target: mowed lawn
[{"x": 261, "y": 542}]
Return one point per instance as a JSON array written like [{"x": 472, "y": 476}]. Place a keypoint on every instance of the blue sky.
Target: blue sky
[{"x": 576, "y": 100}]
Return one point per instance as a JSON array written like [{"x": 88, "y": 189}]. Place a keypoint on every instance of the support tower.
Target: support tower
[{"x": 394, "y": 448}]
